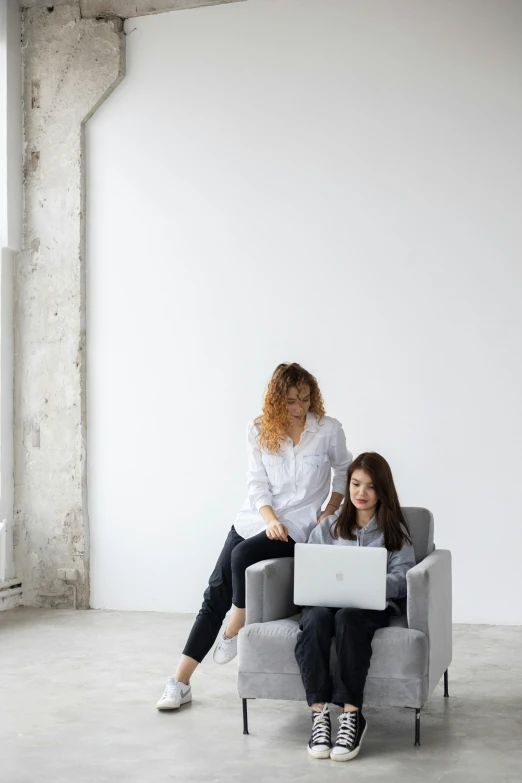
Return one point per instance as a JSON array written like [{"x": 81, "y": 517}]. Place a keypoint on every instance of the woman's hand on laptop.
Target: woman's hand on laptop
[{"x": 276, "y": 531}]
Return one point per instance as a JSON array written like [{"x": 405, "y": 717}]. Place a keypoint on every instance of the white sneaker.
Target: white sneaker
[
  {"x": 226, "y": 649},
  {"x": 176, "y": 693}
]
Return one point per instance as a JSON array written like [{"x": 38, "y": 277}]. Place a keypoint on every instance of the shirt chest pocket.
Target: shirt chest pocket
[
  {"x": 315, "y": 464},
  {"x": 274, "y": 466}
]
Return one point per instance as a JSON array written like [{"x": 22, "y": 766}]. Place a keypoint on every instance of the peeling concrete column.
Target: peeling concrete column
[
  {"x": 70, "y": 64},
  {"x": 10, "y": 243}
]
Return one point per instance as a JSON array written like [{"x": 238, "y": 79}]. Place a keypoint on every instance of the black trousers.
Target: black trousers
[
  {"x": 227, "y": 586},
  {"x": 353, "y": 630}
]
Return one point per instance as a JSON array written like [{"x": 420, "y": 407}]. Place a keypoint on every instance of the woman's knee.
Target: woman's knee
[
  {"x": 316, "y": 617},
  {"x": 241, "y": 557},
  {"x": 349, "y": 617}
]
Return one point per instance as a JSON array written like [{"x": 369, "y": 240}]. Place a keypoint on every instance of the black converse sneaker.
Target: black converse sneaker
[
  {"x": 320, "y": 743},
  {"x": 352, "y": 728}
]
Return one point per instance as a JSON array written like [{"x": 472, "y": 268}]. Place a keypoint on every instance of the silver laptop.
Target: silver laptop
[{"x": 340, "y": 576}]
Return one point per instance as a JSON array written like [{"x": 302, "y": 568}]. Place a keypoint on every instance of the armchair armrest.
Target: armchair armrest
[
  {"x": 270, "y": 590},
  {"x": 429, "y": 609}
]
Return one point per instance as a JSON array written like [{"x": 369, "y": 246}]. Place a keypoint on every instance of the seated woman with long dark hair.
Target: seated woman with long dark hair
[{"x": 370, "y": 516}]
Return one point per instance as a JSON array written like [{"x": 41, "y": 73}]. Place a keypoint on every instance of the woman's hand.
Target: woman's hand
[
  {"x": 333, "y": 506},
  {"x": 276, "y": 531},
  {"x": 325, "y": 514}
]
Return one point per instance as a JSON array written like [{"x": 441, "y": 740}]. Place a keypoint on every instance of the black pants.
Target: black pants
[
  {"x": 227, "y": 586},
  {"x": 353, "y": 630}
]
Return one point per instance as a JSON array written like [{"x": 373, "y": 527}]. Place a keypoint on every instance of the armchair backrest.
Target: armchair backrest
[{"x": 420, "y": 522}]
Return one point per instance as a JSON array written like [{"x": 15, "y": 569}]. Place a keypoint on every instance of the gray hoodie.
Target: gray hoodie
[{"x": 371, "y": 535}]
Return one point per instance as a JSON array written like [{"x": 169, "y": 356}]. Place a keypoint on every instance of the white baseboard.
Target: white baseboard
[{"x": 10, "y": 594}]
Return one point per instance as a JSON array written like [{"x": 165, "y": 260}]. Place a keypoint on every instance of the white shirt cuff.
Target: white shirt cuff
[{"x": 339, "y": 484}]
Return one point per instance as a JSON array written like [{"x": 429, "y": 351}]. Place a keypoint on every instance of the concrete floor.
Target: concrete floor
[{"x": 77, "y": 695}]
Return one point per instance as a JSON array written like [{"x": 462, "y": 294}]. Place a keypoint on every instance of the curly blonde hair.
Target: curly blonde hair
[{"x": 273, "y": 422}]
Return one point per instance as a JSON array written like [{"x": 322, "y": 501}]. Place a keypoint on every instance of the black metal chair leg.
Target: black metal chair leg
[
  {"x": 446, "y": 692},
  {"x": 417, "y": 727},
  {"x": 245, "y": 717}
]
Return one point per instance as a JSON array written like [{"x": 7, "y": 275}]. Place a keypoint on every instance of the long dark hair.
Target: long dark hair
[{"x": 389, "y": 513}]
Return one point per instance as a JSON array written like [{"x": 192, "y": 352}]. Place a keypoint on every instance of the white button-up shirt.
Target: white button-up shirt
[{"x": 295, "y": 481}]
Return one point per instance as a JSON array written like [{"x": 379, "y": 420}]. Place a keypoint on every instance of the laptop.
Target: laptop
[{"x": 340, "y": 576}]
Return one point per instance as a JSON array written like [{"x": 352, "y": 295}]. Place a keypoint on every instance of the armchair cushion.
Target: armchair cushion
[
  {"x": 398, "y": 651},
  {"x": 268, "y": 668}
]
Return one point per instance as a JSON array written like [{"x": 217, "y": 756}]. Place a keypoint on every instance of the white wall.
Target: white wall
[{"x": 325, "y": 181}]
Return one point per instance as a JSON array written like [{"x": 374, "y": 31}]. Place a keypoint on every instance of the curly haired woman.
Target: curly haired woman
[{"x": 293, "y": 450}]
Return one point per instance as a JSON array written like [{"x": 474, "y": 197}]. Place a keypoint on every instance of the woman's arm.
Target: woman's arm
[
  {"x": 259, "y": 489},
  {"x": 399, "y": 563},
  {"x": 257, "y": 480},
  {"x": 340, "y": 459},
  {"x": 332, "y": 506}
]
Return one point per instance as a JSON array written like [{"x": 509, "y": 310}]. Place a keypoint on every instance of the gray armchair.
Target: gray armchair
[{"x": 409, "y": 657}]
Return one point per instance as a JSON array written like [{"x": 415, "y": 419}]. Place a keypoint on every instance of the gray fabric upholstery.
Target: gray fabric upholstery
[
  {"x": 270, "y": 590},
  {"x": 420, "y": 522},
  {"x": 399, "y": 653},
  {"x": 429, "y": 609},
  {"x": 253, "y": 685},
  {"x": 409, "y": 657},
  {"x": 377, "y": 693}
]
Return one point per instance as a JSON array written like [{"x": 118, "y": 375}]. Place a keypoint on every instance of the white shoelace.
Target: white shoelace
[
  {"x": 170, "y": 690},
  {"x": 321, "y": 728},
  {"x": 347, "y": 729},
  {"x": 225, "y": 642}
]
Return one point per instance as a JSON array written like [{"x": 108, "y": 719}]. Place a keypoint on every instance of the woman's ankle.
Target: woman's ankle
[
  {"x": 186, "y": 668},
  {"x": 183, "y": 680},
  {"x": 236, "y": 622}
]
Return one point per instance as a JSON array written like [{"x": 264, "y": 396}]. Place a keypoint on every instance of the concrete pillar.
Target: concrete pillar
[
  {"x": 71, "y": 64},
  {"x": 10, "y": 126},
  {"x": 10, "y": 241}
]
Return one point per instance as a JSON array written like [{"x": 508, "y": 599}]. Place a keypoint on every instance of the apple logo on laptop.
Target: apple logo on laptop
[{"x": 339, "y": 576}]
